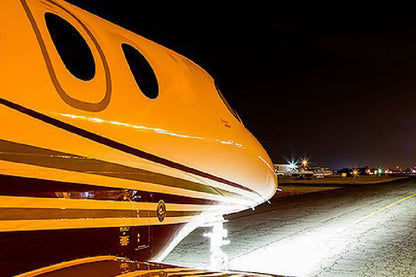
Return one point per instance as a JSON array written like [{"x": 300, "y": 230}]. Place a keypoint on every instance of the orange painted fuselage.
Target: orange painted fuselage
[{"x": 101, "y": 161}]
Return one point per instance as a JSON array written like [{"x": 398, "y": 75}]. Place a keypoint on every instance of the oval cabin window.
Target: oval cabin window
[
  {"x": 72, "y": 47},
  {"x": 142, "y": 71}
]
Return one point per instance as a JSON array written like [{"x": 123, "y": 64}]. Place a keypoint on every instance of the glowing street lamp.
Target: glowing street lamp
[{"x": 305, "y": 162}]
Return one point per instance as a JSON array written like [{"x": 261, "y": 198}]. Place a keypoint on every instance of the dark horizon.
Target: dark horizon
[{"x": 333, "y": 82}]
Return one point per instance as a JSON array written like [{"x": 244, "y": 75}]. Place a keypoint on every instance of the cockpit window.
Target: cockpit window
[
  {"x": 142, "y": 71},
  {"x": 71, "y": 46},
  {"x": 234, "y": 112}
]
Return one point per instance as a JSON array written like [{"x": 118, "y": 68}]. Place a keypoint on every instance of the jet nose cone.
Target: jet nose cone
[
  {"x": 268, "y": 188},
  {"x": 258, "y": 171}
]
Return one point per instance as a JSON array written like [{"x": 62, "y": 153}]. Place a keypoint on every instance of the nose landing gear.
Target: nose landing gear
[{"x": 219, "y": 259}]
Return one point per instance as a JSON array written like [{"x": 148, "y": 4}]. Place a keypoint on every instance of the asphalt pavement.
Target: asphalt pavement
[{"x": 359, "y": 231}]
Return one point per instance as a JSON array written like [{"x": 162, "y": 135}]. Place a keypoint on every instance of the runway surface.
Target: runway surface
[{"x": 358, "y": 231}]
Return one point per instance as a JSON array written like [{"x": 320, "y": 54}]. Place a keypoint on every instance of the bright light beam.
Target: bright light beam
[{"x": 306, "y": 253}]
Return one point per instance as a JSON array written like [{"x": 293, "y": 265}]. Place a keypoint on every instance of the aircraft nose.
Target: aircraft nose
[
  {"x": 268, "y": 187},
  {"x": 260, "y": 174}
]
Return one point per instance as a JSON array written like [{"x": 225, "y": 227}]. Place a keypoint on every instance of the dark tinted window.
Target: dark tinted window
[
  {"x": 231, "y": 109},
  {"x": 142, "y": 71},
  {"x": 71, "y": 46}
]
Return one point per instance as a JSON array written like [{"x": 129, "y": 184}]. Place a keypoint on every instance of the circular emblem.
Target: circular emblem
[{"x": 161, "y": 210}]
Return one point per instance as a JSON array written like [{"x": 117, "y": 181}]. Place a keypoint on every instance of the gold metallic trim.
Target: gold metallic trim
[
  {"x": 50, "y": 174},
  {"x": 59, "y": 224},
  {"x": 62, "y": 213},
  {"x": 32, "y": 213},
  {"x": 27, "y": 154},
  {"x": 63, "y": 203},
  {"x": 48, "y": 213},
  {"x": 168, "y": 271},
  {"x": 63, "y": 265}
]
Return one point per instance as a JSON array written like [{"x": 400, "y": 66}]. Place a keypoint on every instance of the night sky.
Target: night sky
[{"x": 333, "y": 82}]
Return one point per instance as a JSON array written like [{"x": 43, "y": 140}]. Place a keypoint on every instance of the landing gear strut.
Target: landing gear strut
[{"x": 219, "y": 259}]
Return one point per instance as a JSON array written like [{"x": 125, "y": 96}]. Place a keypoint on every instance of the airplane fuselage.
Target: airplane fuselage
[{"x": 102, "y": 161}]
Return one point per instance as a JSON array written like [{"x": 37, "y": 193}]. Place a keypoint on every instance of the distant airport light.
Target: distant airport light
[
  {"x": 355, "y": 172},
  {"x": 305, "y": 162},
  {"x": 292, "y": 165}
]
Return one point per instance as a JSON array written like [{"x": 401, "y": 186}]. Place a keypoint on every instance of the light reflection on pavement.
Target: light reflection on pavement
[{"x": 364, "y": 231}]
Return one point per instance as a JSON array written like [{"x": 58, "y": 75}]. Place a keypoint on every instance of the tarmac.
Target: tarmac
[{"x": 368, "y": 230}]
